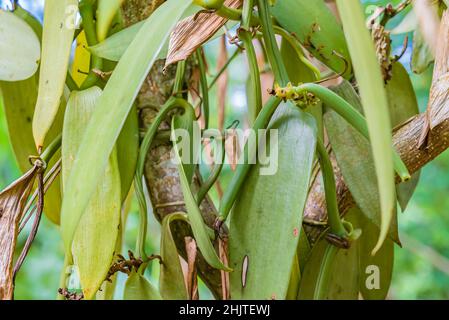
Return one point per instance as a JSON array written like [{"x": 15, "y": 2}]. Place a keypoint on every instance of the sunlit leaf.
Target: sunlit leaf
[
  {"x": 96, "y": 235},
  {"x": 266, "y": 220},
  {"x": 57, "y": 40},
  {"x": 105, "y": 126},
  {"x": 81, "y": 60},
  {"x": 19, "y": 48}
]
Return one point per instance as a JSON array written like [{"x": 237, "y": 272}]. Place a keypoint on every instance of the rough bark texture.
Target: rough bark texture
[{"x": 161, "y": 173}]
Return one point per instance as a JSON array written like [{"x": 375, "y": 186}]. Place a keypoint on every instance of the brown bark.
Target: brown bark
[{"x": 161, "y": 174}]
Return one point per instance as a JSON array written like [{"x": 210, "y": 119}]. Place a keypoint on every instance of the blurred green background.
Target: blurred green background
[{"x": 421, "y": 268}]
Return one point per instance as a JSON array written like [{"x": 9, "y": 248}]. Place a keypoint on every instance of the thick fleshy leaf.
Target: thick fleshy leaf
[
  {"x": 354, "y": 157},
  {"x": 96, "y": 235},
  {"x": 199, "y": 228},
  {"x": 403, "y": 105},
  {"x": 57, "y": 40},
  {"x": 19, "y": 48},
  {"x": 408, "y": 24},
  {"x": 422, "y": 56},
  {"x": 137, "y": 287},
  {"x": 171, "y": 281},
  {"x": 119, "y": 94},
  {"x": 266, "y": 221},
  {"x": 344, "y": 273},
  {"x": 316, "y": 28},
  {"x": 375, "y": 271},
  {"x": 375, "y": 107},
  {"x": 106, "y": 10}
]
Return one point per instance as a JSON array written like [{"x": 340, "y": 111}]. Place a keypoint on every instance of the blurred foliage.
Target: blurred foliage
[{"x": 426, "y": 219}]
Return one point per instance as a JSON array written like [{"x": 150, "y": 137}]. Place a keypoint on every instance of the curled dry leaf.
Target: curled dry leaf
[
  {"x": 190, "y": 33},
  {"x": 12, "y": 203}
]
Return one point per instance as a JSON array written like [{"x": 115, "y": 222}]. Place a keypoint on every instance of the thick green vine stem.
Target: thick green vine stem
[
  {"x": 213, "y": 176},
  {"x": 245, "y": 36},
  {"x": 171, "y": 104},
  {"x": 342, "y": 107},
  {"x": 272, "y": 50},
  {"x": 336, "y": 226},
  {"x": 204, "y": 87},
  {"x": 86, "y": 10},
  {"x": 249, "y": 153}
]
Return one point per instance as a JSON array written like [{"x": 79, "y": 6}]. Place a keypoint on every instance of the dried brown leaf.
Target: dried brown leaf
[
  {"x": 191, "y": 32},
  {"x": 12, "y": 202}
]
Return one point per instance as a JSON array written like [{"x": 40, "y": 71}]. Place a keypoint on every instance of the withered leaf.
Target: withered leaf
[
  {"x": 191, "y": 275},
  {"x": 12, "y": 203},
  {"x": 190, "y": 33}
]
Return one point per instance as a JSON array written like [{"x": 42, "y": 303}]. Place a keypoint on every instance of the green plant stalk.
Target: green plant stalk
[
  {"x": 52, "y": 148},
  {"x": 296, "y": 45},
  {"x": 336, "y": 226},
  {"x": 322, "y": 283},
  {"x": 204, "y": 88},
  {"x": 238, "y": 179},
  {"x": 213, "y": 176},
  {"x": 273, "y": 53},
  {"x": 87, "y": 14},
  {"x": 144, "y": 148},
  {"x": 352, "y": 116},
  {"x": 246, "y": 38},
  {"x": 179, "y": 78},
  {"x": 63, "y": 277},
  {"x": 375, "y": 105}
]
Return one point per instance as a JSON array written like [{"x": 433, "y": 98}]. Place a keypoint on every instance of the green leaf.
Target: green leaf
[
  {"x": 57, "y": 40},
  {"x": 137, "y": 287},
  {"x": 96, "y": 235},
  {"x": 118, "y": 95},
  {"x": 128, "y": 151},
  {"x": 403, "y": 106},
  {"x": 19, "y": 100},
  {"x": 375, "y": 106},
  {"x": 199, "y": 228},
  {"x": 266, "y": 220},
  {"x": 31, "y": 20},
  {"x": 422, "y": 56},
  {"x": 19, "y": 48},
  {"x": 344, "y": 274},
  {"x": 354, "y": 157},
  {"x": 171, "y": 280},
  {"x": 106, "y": 10},
  {"x": 316, "y": 28},
  {"x": 375, "y": 271}
]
